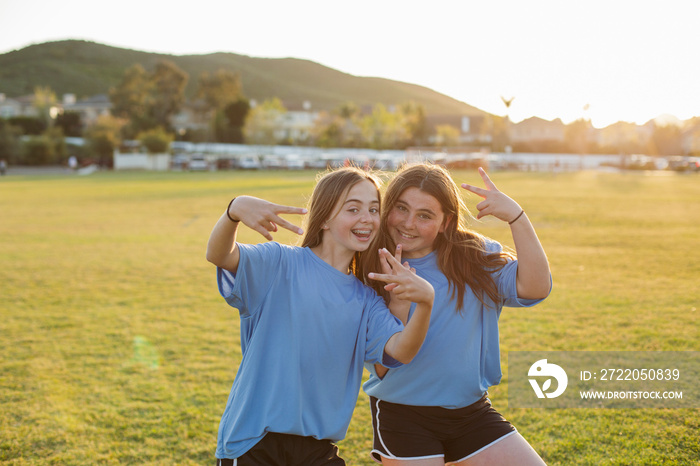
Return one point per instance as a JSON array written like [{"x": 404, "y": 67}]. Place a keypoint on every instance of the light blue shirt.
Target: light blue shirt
[
  {"x": 460, "y": 357},
  {"x": 306, "y": 330}
]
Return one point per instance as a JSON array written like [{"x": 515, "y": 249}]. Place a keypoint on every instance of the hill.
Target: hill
[{"x": 88, "y": 68}]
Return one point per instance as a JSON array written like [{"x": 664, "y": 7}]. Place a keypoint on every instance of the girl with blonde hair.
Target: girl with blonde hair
[{"x": 307, "y": 323}]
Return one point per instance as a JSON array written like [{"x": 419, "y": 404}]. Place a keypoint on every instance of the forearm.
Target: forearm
[
  {"x": 534, "y": 276},
  {"x": 404, "y": 346},
  {"x": 221, "y": 248},
  {"x": 400, "y": 309}
]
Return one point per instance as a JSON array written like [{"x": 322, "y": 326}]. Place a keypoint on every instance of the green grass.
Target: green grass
[{"x": 117, "y": 349}]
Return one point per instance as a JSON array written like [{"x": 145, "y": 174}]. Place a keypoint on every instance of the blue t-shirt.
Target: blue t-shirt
[
  {"x": 460, "y": 357},
  {"x": 306, "y": 331}
]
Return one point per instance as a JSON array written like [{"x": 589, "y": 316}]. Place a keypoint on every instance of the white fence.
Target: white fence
[{"x": 140, "y": 161}]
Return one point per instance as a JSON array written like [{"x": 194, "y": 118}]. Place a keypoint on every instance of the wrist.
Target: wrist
[
  {"x": 517, "y": 217},
  {"x": 228, "y": 212}
]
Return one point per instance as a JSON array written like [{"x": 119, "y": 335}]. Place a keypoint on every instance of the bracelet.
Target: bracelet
[
  {"x": 228, "y": 214},
  {"x": 516, "y": 218}
]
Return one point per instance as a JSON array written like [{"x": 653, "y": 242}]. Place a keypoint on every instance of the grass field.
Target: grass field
[{"x": 117, "y": 349}]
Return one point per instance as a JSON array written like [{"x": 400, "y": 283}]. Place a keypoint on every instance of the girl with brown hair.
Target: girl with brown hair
[
  {"x": 435, "y": 411},
  {"x": 307, "y": 323}
]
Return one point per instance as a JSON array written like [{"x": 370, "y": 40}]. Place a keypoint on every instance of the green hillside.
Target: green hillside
[{"x": 87, "y": 68}]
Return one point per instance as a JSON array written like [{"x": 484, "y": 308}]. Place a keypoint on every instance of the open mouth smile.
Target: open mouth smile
[
  {"x": 362, "y": 234},
  {"x": 405, "y": 235}
]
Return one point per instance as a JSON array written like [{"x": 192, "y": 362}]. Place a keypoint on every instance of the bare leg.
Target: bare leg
[
  {"x": 417, "y": 462},
  {"x": 513, "y": 449}
]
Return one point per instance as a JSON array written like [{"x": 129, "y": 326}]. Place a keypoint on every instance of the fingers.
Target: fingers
[
  {"x": 261, "y": 229},
  {"x": 285, "y": 209},
  {"x": 287, "y": 225},
  {"x": 393, "y": 261},
  {"x": 382, "y": 277},
  {"x": 386, "y": 268},
  {"x": 487, "y": 180},
  {"x": 478, "y": 191},
  {"x": 490, "y": 186},
  {"x": 397, "y": 255}
]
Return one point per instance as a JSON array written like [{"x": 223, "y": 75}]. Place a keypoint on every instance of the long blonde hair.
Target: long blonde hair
[
  {"x": 332, "y": 187},
  {"x": 461, "y": 253}
]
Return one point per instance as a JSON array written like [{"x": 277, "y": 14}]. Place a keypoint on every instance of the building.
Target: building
[
  {"x": 89, "y": 109},
  {"x": 537, "y": 130},
  {"x": 471, "y": 130}
]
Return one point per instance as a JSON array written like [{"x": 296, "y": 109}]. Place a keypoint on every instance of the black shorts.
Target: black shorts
[
  {"x": 415, "y": 432},
  {"x": 285, "y": 449}
]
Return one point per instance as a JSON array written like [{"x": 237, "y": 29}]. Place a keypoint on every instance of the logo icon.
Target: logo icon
[{"x": 544, "y": 369}]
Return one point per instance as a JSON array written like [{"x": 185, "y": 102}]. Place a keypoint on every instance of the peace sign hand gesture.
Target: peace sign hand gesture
[
  {"x": 402, "y": 281},
  {"x": 263, "y": 216},
  {"x": 399, "y": 307},
  {"x": 495, "y": 202}
]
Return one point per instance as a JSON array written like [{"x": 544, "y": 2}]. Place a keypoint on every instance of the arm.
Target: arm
[
  {"x": 534, "y": 276},
  {"x": 258, "y": 214},
  {"x": 406, "y": 285},
  {"x": 400, "y": 308}
]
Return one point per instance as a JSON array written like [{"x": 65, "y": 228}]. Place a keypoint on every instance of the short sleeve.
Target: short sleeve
[
  {"x": 381, "y": 325},
  {"x": 257, "y": 268},
  {"x": 507, "y": 281}
]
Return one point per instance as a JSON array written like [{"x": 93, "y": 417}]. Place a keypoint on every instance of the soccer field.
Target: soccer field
[{"x": 117, "y": 349}]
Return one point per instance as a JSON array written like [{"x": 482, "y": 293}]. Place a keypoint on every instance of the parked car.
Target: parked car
[
  {"x": 272, "y": 162},
  {"x": 249, "y": 162},
  {"x": 198, "y": 163}
]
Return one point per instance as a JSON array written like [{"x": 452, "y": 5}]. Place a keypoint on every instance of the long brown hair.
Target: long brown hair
[
  {"x": 332, "y": 187},
  {"x": 461, "y": 253}
]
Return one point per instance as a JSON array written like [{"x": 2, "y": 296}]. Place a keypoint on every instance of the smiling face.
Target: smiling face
[
  {"x": 355, "y": 219},
  {"x": 414, "y": 222}
]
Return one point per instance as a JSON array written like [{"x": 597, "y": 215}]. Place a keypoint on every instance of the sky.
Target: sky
[{"x": 607, "y": 61}]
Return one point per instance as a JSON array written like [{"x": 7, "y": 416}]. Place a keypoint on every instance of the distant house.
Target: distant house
[
  {"x": 90, "y": 109},
  {"x": 9, "y": 107},
  {"x": 622, "y": 137},
  {"x": 473, "y": 129},
  {"x": 17, "y": 107},
  {"x": 690, "y": 137},
  {"x": 296, "y": 124},
  {"x": 193, "y": 116},
  {"x": 537, "y": 130}
]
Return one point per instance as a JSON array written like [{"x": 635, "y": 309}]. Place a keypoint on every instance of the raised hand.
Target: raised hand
[
  {"x": 495, "y": 202},
  {"x": 399, "y": 307},
  {"x": 402, "y": 281},
  {"x": 263, "y": 216}
]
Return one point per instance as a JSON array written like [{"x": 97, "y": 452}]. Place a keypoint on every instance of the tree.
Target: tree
[
  {"x": 9, "y": 142},
  {"x": 666, "y": 140},
  {"x": 45, "y": 104},
  {"x": 148, "y": 100},
  {"x": 576, "y": 135},
  {"x": 382, "y": 129},
  {"x": 38, "y": 150},
  {"x": 131, "y": 99},
  {"x": 222, "y": 97},
  {"x": 70, "y": 123},
  {"x": 30, "y": 126},
  {"x": 262, "y": 121},
  {"x": 156, "y": 140},
  {"x": 168, "y": 93},
  {"x": 231, "y": 129},
  {"x": 413, "y": 120},
  {"x": 446, "y": 136},
  {"x": 328, "y": 130},
  {"x": 103, "y": 137},
  {"x": 220, "y": 89}
]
